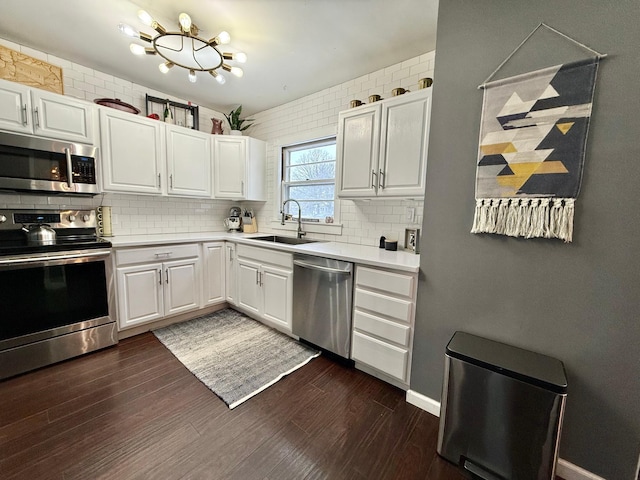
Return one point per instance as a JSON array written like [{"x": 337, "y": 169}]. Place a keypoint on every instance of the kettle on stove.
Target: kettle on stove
[{"x": 40, "y": 234}]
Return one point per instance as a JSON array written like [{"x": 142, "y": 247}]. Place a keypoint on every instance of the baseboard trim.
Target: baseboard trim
[
  {"x": 422, "y": 401},
  {"x": 569, "y": 471},
  {"x": 564, "y": 469}
]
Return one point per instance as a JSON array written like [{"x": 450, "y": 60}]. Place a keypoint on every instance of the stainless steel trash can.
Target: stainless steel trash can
[{"x": 501, "y": 410}]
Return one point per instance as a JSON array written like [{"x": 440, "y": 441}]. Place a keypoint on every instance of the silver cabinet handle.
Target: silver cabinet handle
[
  {"x": 260, "y": 277},
  {"x": 67, "y": 152},
  {"x": 37, "y": 117},
  {"x": 166, "y": 274},
  {"x": 381, "y": 179},
  {"x": 373, "y": 178},
  {"x": 163, "y": 254},
  {"x": 242, "y": 186},
  {"x": 230, "y": 255},
  {"x": 159, "y": 184},
  {"x": 25, "y": 117},
  {"x": 160, "y": 276},
  {"x": 171, "y": 181},
  {"x": 257, "y": 278}
]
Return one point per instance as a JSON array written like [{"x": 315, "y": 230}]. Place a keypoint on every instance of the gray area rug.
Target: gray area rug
[{"x": 235, "y": 356}]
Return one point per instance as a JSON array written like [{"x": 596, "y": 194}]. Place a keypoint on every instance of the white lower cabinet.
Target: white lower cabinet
[
  {"x": 214, "y": 277},
  {"x": 157, "y": 282},
  {"x": 231, "y": 272},
  {"x": 383, "y": 319},
  {"x": 265, "y": 285}
]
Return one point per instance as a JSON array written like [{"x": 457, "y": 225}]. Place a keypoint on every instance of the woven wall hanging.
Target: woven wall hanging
[{"x": 531, "y": 151}]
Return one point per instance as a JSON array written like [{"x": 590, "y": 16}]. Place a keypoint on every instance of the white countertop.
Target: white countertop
[{"x": 361, "y": 254}]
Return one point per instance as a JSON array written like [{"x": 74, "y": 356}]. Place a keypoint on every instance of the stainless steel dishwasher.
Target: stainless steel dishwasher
[{"x": 322, "y": 298}]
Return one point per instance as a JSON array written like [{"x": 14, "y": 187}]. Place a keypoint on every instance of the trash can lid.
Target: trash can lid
[{"x": 534, "y": 368}]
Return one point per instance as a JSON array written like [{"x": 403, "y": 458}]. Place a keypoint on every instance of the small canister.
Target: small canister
[
  {"x": 398, "y": 91},
  {"x": 425, "y": 82},
  {"x": 374, "y": 98},
  {"x": 355, "y": 103}
]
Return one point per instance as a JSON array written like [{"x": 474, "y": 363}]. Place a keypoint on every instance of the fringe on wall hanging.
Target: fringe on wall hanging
[{"x": 533, "y": 135}]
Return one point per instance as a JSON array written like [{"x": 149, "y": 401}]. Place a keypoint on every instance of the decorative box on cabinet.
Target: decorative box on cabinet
[
  {"x": 157, "y": 282},
  {"x": 38, "y": 112},
  {"x": 382, "y": 147},
  {"x": 383, "y": 318},
  {"x": 239, "y": 168}
]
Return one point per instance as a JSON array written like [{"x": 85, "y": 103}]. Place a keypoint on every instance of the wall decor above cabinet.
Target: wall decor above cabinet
[{"x": 382, "y": 147}]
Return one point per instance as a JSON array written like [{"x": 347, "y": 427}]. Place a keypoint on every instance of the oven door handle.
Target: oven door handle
[
  {"x": 67, "y": 152},
  {"x": 49, "y": 258}
]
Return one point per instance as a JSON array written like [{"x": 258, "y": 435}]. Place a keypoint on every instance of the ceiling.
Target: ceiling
[{"x": 294, "y": 47}]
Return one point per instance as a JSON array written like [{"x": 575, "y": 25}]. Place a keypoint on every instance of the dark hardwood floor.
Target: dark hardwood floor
[{"x": 134, "y": 411}]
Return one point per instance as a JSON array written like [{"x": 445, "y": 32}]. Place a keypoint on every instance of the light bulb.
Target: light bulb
[
  {"x": 164, "y": 67},
  {"x": 240, "y": 57},
  {"x": 137, "y": 49},
  {"x": 192, "y": 76},
  {"x": 223, "y": 38},
  {"x": 145, "y": 18},
  {"x": 128, "y": 30},
  {"x": 237, "y": 71},
  {"x": 219, "y": 78},
  {"x": 185, "y": 22}
]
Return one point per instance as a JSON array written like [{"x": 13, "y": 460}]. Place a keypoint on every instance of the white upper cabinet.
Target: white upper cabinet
[
  {"x": 188, "y": 162},
  {"x": 132, "y": 152},
  {"x": 382, "y": 147},
  {"x": 238, "y": 168},
  {"x": 38, "y": 112}
]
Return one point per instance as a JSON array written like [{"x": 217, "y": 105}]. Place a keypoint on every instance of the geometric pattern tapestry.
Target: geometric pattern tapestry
[{"x": 533, "y": 135}]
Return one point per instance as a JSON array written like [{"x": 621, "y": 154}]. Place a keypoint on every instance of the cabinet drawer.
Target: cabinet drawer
[
  {"x": 389, "y": 282},
  {"x": 394, "y": 308},
  {"x": 382, "y": 328},
  {"x": 380, "y": 355},
  {"x": 266, "y": 255},
  {"x": 154, "y": 254}
]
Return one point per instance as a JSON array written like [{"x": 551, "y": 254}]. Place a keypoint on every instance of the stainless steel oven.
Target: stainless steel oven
[{"x": 56, "y": 297}]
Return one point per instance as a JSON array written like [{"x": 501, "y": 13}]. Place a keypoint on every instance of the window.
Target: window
[{"x": 308, "y": 176}]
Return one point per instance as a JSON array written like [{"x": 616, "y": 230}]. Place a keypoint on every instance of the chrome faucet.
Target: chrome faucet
[{"x": 300, "y": 232}]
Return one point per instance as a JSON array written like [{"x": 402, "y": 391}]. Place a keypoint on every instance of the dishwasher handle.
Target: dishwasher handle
[{"x": 313, "y": 266}]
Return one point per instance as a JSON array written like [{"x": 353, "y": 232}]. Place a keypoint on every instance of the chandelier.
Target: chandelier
[{"x": 185, "y": 48}]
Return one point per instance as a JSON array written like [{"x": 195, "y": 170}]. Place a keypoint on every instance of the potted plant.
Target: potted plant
[{"x": 236, "y": 123}]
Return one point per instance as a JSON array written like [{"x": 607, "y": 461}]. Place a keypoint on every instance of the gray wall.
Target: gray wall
[{"x": 577, "y": 302}]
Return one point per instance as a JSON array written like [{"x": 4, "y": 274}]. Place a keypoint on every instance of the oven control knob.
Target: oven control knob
[
  {"x": 3, "y": 219},
  {"x": 72, "y": 218},
  {"x": 86, "y": 218}
]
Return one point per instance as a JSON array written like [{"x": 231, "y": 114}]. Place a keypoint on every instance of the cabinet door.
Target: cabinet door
[
  {"x": 188, "y": 162},
  {"x": 229, "y": 163},
  {"x": 214, "y": 273},
  {"x": 249, "y": 293},
  {"x": 139, "y": 294},
  {"x": 181, "y": 286},
  {"x": 57, "y": 116},
  {"x": 403, "y": 157},
  {"x": 15, "y": 107},
  {"x": 358, "y": 150},
  {"x": 132, "y": 153},
  {"x": 276, "y": 286},
  {"x": 231, "y": 272}
]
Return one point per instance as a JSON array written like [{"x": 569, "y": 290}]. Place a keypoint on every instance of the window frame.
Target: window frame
[{"x": 284, "y": 185}]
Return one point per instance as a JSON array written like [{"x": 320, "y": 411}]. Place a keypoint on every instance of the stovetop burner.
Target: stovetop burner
[{"x": 75, "y": 230}]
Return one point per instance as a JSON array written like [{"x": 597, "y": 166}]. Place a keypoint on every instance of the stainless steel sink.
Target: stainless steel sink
[{"x": 282, "y": 239}]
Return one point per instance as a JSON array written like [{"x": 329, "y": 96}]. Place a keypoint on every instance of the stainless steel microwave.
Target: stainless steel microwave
[{"x": 48, "y": 166}]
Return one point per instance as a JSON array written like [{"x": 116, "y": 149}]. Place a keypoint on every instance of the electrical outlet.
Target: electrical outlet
[{"x": 411, "y": 214}]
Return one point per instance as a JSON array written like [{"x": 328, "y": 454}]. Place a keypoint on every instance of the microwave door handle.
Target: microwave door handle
[{"x": 67, "y": 151}]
